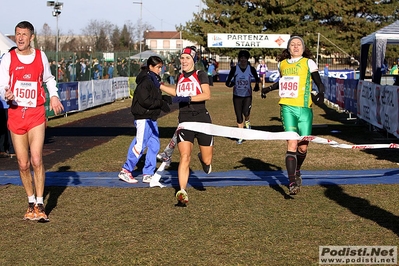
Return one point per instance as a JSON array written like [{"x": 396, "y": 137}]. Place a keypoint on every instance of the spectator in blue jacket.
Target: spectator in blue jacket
[
  {"x": 211, "y": 72},
  {"x": 111, "y": 71}
]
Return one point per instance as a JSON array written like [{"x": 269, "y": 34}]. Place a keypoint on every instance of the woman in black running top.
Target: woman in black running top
[{"x": 191, "y": 92}]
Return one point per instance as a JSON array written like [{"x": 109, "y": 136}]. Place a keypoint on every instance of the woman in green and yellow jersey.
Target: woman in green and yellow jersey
[{"x": 297, "y": 71}]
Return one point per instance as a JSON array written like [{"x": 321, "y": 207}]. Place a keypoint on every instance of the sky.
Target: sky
[{"x": 75, "y": 15}]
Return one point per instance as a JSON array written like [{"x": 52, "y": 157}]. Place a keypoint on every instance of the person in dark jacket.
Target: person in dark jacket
[{"x": 147, "y": 104}]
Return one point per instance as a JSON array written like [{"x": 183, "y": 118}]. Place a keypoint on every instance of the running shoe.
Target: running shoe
[
  {"x": 162, "y": 157},
  {"x": 240, "y": 141},
  {"x": 247, "y": 124},
  {"x": 147, "y": 178},
  {"x": 126, "y": 176},
  {"x": 41, "y": 213},
  {"x": 182, "y": 196},
  {"x": 30, "y": 212},
  {"x": 207, "y": 168},
  {"x": 295, "y": 187}
]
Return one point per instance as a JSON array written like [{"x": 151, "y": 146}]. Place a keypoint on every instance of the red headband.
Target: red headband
[{"x": 191, "y": 52}]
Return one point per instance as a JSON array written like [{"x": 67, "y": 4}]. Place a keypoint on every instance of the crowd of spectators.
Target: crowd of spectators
[
  {"x": 86, "y": 68},
  {"x": 211, "y": 66}
]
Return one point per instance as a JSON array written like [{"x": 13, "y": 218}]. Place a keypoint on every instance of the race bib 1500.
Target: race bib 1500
[{"x": 25, "y": 93}]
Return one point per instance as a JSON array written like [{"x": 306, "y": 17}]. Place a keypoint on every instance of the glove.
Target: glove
[
  {"x": 181, "y": 99},
  {"x": 256, "y": 88},
  {"x": 319, "y": 98},
  {"x": 165, "y": 107},
  {"x": 265, "y": 91},
  {"x": 230, "y": 84},
  {"x": 167, "y": 99}
]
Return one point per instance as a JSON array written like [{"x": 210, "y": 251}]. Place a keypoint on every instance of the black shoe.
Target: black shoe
[{"x": 207, "y": 168}]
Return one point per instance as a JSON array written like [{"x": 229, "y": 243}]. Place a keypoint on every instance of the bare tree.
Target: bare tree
[
  {"x": 102, "y": 43},
  {"x": 69, "y": 42},
  {"x": 96, "y": 30},
  {"x": 115, "y": 38},
  {"x": 131, "y": 29},
  {"x": 125, "y": 38},
  {"x": 47, "y": 42}
]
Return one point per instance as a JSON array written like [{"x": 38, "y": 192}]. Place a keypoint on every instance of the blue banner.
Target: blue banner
[
  {"x": 69, "y": 96},
  {"x": 350, "y": 95},
  {"x": 332, "y": 97}
]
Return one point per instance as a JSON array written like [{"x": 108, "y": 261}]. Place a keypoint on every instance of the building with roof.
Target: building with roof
[{"x": 166, "y": 43}]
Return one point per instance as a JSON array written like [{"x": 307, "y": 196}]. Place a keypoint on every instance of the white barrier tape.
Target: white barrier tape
[
  {"x": 242, "y": 133},
  {"x": 335, "y": 144},
  {"x": 237, "y": 133}
]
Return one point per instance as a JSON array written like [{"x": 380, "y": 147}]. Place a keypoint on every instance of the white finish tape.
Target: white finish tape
[{"x": 251, "y": 134}]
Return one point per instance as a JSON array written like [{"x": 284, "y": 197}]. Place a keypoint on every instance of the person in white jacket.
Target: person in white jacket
[{"x": 262, "y": 69}]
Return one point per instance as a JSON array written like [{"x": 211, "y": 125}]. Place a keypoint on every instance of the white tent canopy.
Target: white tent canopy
[
  {"x": 389, "y": 33},
  {"x": 144, "y": 55},
  {"x": 379, "y": 40},
  {"x": 5, "y": 44}
]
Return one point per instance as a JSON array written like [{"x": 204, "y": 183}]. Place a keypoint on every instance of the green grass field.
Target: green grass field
[{"x": 234, "y": 225}]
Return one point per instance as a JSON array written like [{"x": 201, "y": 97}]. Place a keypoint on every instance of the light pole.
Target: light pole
[
  {"x": 128, "y": 60},
  {"x": 90, "y": 64},
  {"x": 140, "y": 24},
  {"x": 57, "y": 6}
]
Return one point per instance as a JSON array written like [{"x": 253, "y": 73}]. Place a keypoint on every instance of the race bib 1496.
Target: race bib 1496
[{"x": 288, "y": 86}]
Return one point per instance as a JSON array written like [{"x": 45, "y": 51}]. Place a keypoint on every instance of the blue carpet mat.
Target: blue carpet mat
[{"x": 217, "y": 179}]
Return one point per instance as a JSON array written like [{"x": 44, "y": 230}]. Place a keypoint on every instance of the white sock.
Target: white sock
[
  {"x": 32, "y": 199},
  {"x": 39, "y": 200}
]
